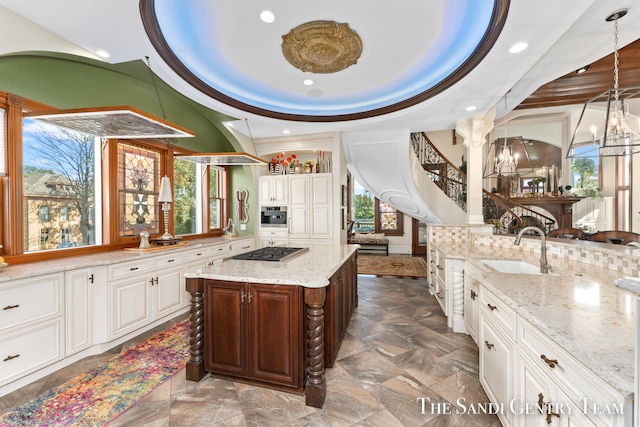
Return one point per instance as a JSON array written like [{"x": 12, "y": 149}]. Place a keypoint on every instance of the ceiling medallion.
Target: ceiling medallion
[{"x": 322, "y": 47}]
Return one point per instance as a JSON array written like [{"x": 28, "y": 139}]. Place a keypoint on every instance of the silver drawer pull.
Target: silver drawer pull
[
  {"x": 491, "y": 307},
  {"x": 489, "y": 345},
  {"x": 10, "y": 307},
  {"x": 6, "y": 359},
  {"x": 551, "y": 362},
  {"x": 133, "y": 268}
]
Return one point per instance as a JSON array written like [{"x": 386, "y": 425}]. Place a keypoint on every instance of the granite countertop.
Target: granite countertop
[
  {"x": 577, "y": 306},
  {"x": 311, "y": 269},
  {"x": 31, "y": 269}
]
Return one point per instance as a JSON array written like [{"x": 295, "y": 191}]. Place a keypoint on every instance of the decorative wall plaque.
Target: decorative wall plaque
[{"x": 322, "y": 47}]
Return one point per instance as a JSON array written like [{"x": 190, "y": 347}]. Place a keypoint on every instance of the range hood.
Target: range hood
[
  {"x": 222, "y": 159},
  {"x": 112, "y": 122}
]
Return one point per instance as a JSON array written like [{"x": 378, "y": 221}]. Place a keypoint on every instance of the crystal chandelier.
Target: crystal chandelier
[
  {"x": 617, "y": 138},
  {"x": 505, "y": 161}
]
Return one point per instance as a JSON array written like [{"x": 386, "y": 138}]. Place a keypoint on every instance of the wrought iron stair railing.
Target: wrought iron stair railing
[
  {"x": 449, "y": 178},
  {"x": 506, "y": 215}
]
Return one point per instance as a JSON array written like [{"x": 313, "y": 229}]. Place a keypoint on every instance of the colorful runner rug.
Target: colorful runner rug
[
  {"x": 401, "y": 266},
  {"x": 101, "y": 394}
]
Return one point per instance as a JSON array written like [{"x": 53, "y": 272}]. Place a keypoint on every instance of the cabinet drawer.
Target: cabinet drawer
[
  {"x": 242, "y": 247},
  {"x": 201, "y": 253},
  {"x": 500, "y": 313},
  {"x": 442, "y": 295},
  {"x": 577, "y": 381},
  {"x": 219, "y": 251},
  {"x": 30, "y": 349},
  {"x": 125, "y": 269},
  {"x": 168, "y": 260},
  {"x": 29, "y": 301}
]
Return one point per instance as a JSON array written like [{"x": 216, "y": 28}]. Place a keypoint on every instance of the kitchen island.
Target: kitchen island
[{"x": 270, "y": 323}]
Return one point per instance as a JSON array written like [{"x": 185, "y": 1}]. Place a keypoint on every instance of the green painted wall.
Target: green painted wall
[{"x": 67, "y": 81}]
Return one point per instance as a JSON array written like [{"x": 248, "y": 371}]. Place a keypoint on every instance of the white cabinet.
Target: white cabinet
[
  {"x": 298, "y": 209},
  {"x": 274, "y": 237},
  {"x": 497, "y": 348},
  {"x": 273, "y": 190},
  {"x": 309, "y": 201},
  {"x": 471, "y": 289},
  {"x": 446, "y": 282},
  {"x": 78, "y": 303},
  {"x": 143, "y": 291},
  {"x": 242, "y": 246},
  {"x": 31, "y": 325},
  {"x": 321, "y": 206}
]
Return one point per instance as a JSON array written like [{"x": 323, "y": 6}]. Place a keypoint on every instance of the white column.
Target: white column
[{"x": 473, "y": 131}]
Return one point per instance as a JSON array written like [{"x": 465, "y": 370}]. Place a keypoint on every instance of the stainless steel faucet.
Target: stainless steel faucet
[{"x": 545, "y": 267}]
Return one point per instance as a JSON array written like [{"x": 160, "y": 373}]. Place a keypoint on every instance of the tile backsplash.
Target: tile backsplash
[{"x": 622, "y": 259}]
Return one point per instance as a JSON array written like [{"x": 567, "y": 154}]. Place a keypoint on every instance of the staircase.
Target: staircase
[{"x": 407, "y": 171}]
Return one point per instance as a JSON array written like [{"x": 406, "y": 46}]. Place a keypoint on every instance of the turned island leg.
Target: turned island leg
[
  {"x": 195, "y": 365},
  {"x": 316, "y": 387}
]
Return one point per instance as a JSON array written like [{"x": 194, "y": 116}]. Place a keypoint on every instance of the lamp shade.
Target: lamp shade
[{"x": 165, "y": 190}]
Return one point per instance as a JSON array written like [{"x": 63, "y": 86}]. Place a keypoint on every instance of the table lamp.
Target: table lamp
[{"x": 165, "y": 198}]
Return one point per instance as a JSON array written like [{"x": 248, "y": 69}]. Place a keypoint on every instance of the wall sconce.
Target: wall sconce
[{"x": 165, "y": 198}]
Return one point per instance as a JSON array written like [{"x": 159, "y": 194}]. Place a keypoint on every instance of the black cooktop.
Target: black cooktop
[{"x": 271, "y": 253}]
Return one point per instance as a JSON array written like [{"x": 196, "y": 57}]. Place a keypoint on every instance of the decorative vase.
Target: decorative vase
[{"x": 298, "y": 169}]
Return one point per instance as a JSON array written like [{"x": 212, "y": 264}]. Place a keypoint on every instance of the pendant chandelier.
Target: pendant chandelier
[
  {"x": 503, "y": 155},
  {"x": 616, "y": 136}
]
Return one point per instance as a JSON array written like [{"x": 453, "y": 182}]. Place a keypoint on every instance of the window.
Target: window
[
  {"x": 374, "y": 216},
  {"x": 138, "y": 189},
  {"x": 186, "y": 197},
  {"x": 216, "y": 194},
  {"x": 65, "y": 235},
  {"x": 44, "y": 213},
  {"x": 64, "y": 213},
  {"x": 58, "y": 175},
  {"x": 388, "y": 220}
]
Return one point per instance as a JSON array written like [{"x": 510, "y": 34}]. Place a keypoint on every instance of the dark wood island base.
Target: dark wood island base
[{"x": 255, "y": 332}]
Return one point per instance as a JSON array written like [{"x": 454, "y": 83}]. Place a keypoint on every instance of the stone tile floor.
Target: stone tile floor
[{"x": 397, "y": 350}]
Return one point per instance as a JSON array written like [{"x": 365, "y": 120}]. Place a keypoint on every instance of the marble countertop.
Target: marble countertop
[
  {"x": 31, "y": 269},
  {"x": 578, "y": 306},
  {"x": 311, "y": 269}
]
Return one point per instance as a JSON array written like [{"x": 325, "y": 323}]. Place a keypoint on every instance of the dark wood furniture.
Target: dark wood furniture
[
  {"x": 371, "y": 246},
  {"x": 568, "y": 233},
  {"x": 617, "y": 237},
  {"x": 560, "y": 207},
  {"x": 277, "y": 336}
]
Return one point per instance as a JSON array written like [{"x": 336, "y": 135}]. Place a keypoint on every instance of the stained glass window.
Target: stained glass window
[{"x": 138, "y": 187}]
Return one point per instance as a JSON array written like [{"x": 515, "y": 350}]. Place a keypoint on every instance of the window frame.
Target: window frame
[
  {"x": 398, "y": 231},
  {"x": 11, "y": 197}
]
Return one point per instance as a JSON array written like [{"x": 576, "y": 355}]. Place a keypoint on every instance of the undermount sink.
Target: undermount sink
[{"x": 512, "y": 266}]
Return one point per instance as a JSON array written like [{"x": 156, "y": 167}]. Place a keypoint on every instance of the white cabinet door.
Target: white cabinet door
[
  {"x": 130, "y": 304},
  {"x": 321, "y": 206},
  {"x": 273, "y": 190},
  {"x": 78, "y": 296},
  {"x": 168, "y": 293},
  {"x": 299, "y": 202},
  {"x": 471, "y": 306},
  {"x": 496, "y": 366},
  {"x": 536, "y": 396}
]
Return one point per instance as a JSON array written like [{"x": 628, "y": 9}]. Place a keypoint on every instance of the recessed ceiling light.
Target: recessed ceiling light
[
  {"x": 286, "y": 131},
  {"x": 582, "y": 69},
  {"x": 471, "y": 108},
  {"x": 267, "y": 16},
  {"x": 102, "y": 53},
  {"x": 308, "y": 82},
  {"x": 518, "y": 47}
]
